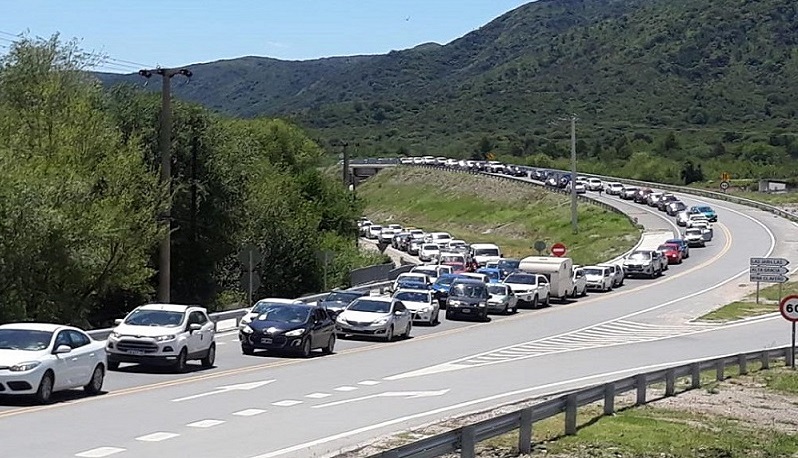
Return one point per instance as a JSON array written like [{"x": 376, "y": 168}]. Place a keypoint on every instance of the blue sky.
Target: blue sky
[{"x": 179, "y": 32}]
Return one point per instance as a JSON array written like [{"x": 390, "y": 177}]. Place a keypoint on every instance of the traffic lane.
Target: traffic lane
[{"x": 400, "y": 406}]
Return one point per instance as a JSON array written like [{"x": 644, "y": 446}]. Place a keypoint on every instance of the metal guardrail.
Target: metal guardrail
[
  {"x": 228, "y": 315},
  {"x": 465, "y": 438}
]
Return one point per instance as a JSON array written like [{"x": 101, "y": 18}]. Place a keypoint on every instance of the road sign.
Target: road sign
[
  {"x": 767, "y": 278},
  {"x": 788, "y": 307},
  {"x": 540, "y": 246},
  {"x": 724, "y": 185},
  {"x": 772, "y": 270},
  {"x": 250, "y": 256},
  {"x": 558, "y": 249},
  {"x": 250, "y": 282},
  {"x": 725, "y": 176},
  {"x": 769, "y": 262}
]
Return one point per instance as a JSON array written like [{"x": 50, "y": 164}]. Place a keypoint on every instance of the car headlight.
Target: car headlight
[
  {"x": 455, "y": 303},
  {"x": 165, "y": 338},
  {"x": 295, "y": 333},
  {"x": 340, "y": 318},
  {"x": 247, "y": 330},
  {"x": 115, "y": 335},
  {"x": 24, "y": 367},
  {"x": 482, "y": 304},
  {"x": 426, "y": 309},
  {"x": 380, "y": 321}
]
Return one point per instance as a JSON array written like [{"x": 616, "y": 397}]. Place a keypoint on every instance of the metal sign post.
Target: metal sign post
[{"x": 768, "y": 270}]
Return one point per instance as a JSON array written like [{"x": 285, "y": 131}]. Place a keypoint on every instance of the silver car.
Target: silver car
[{"x": 376, "y": 317}]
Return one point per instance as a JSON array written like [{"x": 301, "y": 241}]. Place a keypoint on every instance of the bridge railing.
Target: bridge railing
[{"x": 466, "y": 438}]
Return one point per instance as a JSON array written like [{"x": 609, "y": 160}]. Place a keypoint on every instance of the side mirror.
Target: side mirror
[
  {"x": 61, "y": 349},
  {"x": 194, "y": 327},
  {"x": 398, "y": 313},
  {"x": 118, "y": 321}
]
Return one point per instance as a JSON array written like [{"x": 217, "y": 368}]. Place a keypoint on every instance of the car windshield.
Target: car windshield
[
  {"x": 508, "y": 264},
  {"x": 453, "y": 259},
  {"x": 442, "y": 237},
  {"x": 341, "y": 297},
  {"x": 143, "y": 317},
  {"x": 285, "y": 314},
  {"x": 492, "y": 274},
  {"x": 704, "y": 209},
  {"x": 525, "y": 279},
  {"x": 412, "y": 296},
  {"x": 693, "y": 232},
  {"x": 24, "y": 339},
  {"x": 592, "y": 272},
  {"x": 667, "y": 248},
  {"x": 366, "y": 305},
  {"x": 445, "y": 280},
  {"x": 466, "y": 290},
  {"x": 501, "y": 290},
  {"x": 261, "y": 306},
  {"x": 486, "y": 252},
  {"x": 430, "y": 247},
  {"x": 640, "y": 256},
  {"x": 375, "y": 228}
]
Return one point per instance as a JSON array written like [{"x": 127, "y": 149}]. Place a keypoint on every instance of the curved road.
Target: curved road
[{"x": 268, "y": 407}]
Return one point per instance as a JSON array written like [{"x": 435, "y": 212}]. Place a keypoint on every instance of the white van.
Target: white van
[
  {"x": 559, "y": 271},
  {"x": 441, "y": 239},
  {"x": 485, "y": 252}
]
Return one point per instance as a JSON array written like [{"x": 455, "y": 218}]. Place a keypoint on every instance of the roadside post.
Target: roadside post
[
  {"x": 788, "y": 307},
  {"x": 768, "y": 270},
  {"x": 540, "y": 247},
  {"x": 250, "y": 257}
]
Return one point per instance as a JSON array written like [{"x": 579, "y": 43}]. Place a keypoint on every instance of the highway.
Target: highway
[{"x": 261, "y": 406}]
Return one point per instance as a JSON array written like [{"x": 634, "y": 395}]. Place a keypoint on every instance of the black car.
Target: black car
[
  {"x": 507, "y": 266},
  {"x": 467, "y": 298},
  {"x": 338, "y": 300},
  {"x": 289, "y": 328}
]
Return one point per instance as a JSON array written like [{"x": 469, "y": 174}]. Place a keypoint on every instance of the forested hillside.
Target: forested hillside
[
  {"x": 709, "y": 80},
  {"x": 82, "y": 210}
]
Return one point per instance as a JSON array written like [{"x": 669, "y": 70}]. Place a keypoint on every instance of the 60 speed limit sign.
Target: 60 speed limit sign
[{"x": 789, "y": 308}]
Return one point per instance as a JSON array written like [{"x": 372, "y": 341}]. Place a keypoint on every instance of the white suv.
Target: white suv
[{"x": 163, "y": 334}]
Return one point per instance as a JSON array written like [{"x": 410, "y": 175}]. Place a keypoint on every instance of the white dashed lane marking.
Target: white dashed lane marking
[
  {"x": 318, "y": 395},
  {"x": 205, "y": 423},
  {"x": 286, "y": 403},
  {"x": 100, "y": 452},
  {"x": 248, "y": 412},
  {"x": 157, "y": 437},
  {"x": 346, "y": 388},
  {"x": 368, "y": 383}
]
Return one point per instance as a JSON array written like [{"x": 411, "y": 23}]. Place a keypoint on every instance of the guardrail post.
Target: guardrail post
[
  {"x": 695, "y": 372},
  {"x": 609, "y": 398},
  {"x": 765, "y": 359},
  {"x": 467, "y": 442},
  {"x": 720, "y": 368},
  {"x": 640, "y": 383},
  {"x": 525, "y": 431},
  {"x": 570, "y": 414},
  {"x": 670, "y": 382},
  {"x": 742, "y": 361},
  {"x": 788, "y": 358}
]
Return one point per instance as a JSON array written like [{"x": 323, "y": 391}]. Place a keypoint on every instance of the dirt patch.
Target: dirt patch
[{"x": 743, "y": 400}]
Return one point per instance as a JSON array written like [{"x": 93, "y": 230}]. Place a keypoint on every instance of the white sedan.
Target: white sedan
[
  {"x": 40, "y": 359},
  {"x": 421, "y": 303}
]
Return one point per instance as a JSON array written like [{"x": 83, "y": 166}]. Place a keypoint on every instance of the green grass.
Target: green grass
[
  {"x": 740, "y": 309},
  {"x": 479, "y": 209},
  {"x": 772, "y": 292},
  {"x": 783, "y": 380},
  {"x": 738, "y": 189}
]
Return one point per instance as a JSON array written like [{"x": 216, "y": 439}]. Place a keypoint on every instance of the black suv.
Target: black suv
[{"x": 467, "y": 298}]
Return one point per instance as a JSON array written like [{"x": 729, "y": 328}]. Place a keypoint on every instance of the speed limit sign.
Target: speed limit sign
[{"x": 789, "y": 308}]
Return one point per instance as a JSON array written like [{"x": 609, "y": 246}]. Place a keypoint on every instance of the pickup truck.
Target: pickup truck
[{"x": 529, "y": 288}]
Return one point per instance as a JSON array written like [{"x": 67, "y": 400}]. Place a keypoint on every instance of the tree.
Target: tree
[{"x": 690, "y": 173}]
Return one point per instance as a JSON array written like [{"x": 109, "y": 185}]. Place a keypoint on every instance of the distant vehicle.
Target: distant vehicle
[
  {"x": 374, "y": 232},
  {"x": 558, "y": 271},
  {"x": 386, "y": 236},
  {"x": 262, "y": 304},
  {"x": 415, "y": 277},
  {"x": 494, "y": 274},
  {"x": 530, "y": 288},
  {"x": 298, "y": 329},
  {"x": 599, "y": 278},
  {"x": 440, "y": 289},
  {"x": 613, "y": 189},
  {"x": 628, "y": 192},
  {"x": 705, "y": 210},
  {"x": 502, "y": 299},
  {"x": 580, "y": 282},
  {"x": 672, "y": 253},
  {"x": 484, "y": 278},
  {"x": 617, "y": 273},
  {"x": 507, "y": 266},
  {"x": 484, "y": 252},
  {"x": 40, "y": 358},
  {"x": 421, "y": 304},
  {"x": 429, "y": 252},
  {"x": 641, "y": 262},
  {"x": 594, "y": 184},
  {"x": 337, "y": 300},
  {"x": 682, "y": 217},
  {"x": 673, "y": 208},
  {"x": 664, "y": 201},
  {"x": 652, "y": 198},
  {"x": 376, "y": 317},
  {"x": 467, "y": 298},
  {"x": 641, "y": 196},
  {"x": 580, "y": 187},
  {"x": 683, "y": 246}
]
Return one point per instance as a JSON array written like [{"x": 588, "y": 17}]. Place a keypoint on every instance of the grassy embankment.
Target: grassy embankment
[
  {"x": 768, "y": 303},
  {"x": 479, "y": 209}
]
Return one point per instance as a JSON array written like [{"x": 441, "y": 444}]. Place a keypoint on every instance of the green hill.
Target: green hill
[{"x": 632, "y": 70}]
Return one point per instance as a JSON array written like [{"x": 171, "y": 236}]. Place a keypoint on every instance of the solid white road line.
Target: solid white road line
[
  {"x": 205, "y": 423},
  {"x": 248, "y": 412},
  {"x": 157, "y": 437},
  {"x": 318, "y": 395},
  {"x": 548, "y": 389},
  {"x": 286, "y": 403},
  {"x": 368, "y": 383},
  {"x": 345, "y": 388},
  {"x": 100, "y": 452}
]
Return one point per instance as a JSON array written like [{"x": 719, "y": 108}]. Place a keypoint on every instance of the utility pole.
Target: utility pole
[
  {"x": 164, "y": 144},
  {"x": 347, "y": 181},
  {"x": 574, "y": 222}
]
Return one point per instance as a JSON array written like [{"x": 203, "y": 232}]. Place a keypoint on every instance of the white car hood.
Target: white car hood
[
  {"x": 516, "y": 287},
  {"x": 362, "y": 317},
  {"x": 146, "y": 331},
  {"x": 416, "y": 305},
  {"x": 12, "y": 357},
  {"x": 594, "y": 277}
]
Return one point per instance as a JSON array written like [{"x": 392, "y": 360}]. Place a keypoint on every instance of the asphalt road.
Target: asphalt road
[{"x": 268, "y": 407}]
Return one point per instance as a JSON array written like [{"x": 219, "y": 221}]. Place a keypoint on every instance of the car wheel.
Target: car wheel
[
  {"x": 306, "y": 348},
  {"x": 448, "y": 315},
  {"x": 247, "y": 350},
  {"x": 389, "y": 334},
  {"x": 574, "y": 293},
  {"x": 96, "y": 383},
  {"x": 45, "y": 392},
  {"x": 330, "y": 348},
  {"x": 113, "y": 365},
  {"x": 182, "y": 359},
  {"x": 406, "y": 334},
  {"x": 433, "y": 317},
  {"x": 535, "y": 302},
  {"x": 210, "y": 358},
  {"x": 548, "y": 301}
]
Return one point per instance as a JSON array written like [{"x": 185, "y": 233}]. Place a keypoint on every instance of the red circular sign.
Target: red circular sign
[
  {"x": 789, "y": 308},
  {"x": 558, "y": 249}
]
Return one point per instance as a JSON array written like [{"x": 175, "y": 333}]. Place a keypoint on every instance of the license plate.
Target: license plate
[
  {"x": 265, "y": 341},
  {"x": 135, "y": 352},
  {"x": 466, "y": 310}
]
